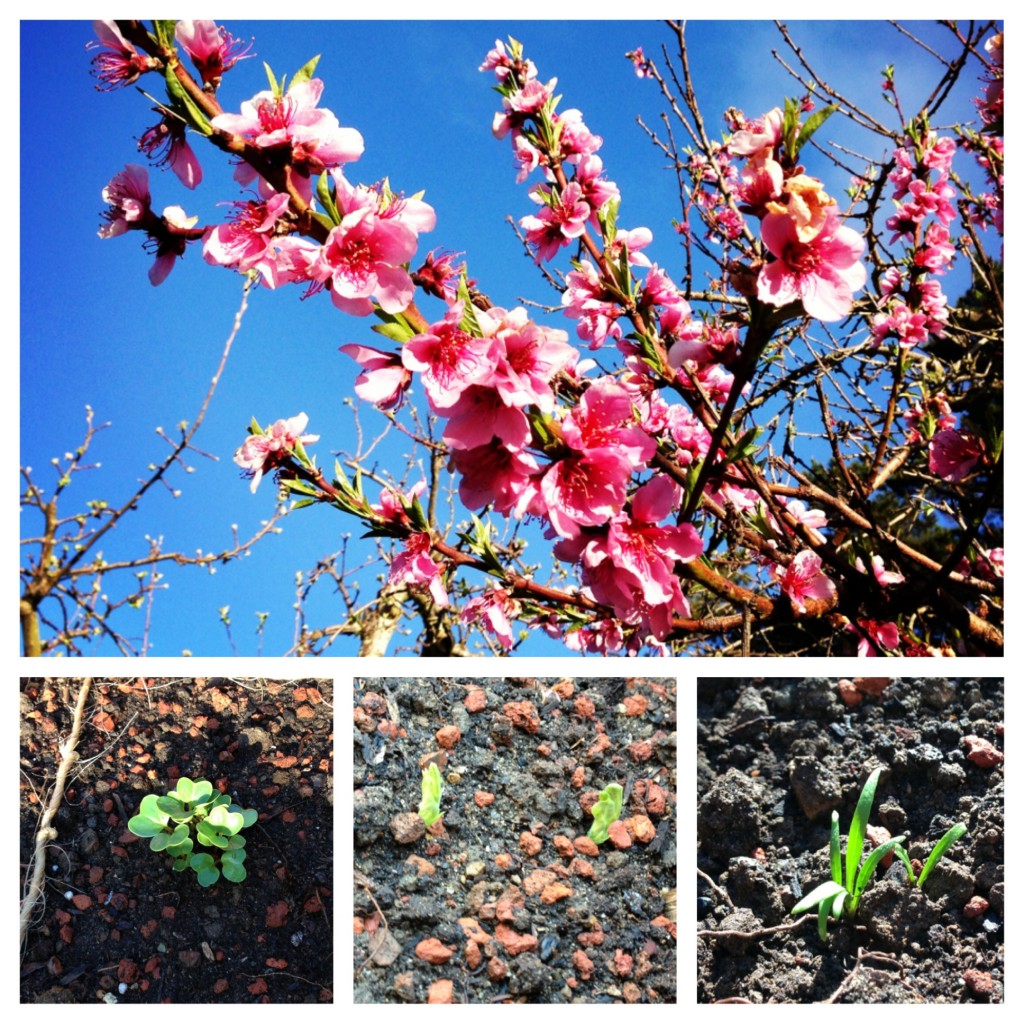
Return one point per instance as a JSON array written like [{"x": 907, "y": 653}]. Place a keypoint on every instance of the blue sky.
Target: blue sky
[{"x": 95, "y": 332}]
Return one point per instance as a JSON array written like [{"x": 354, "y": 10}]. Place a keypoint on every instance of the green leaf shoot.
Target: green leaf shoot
[
  {"x": 605, "y": 811},
  {"x": 192, "y": 813},
  {"x": 433, "y": 787}
]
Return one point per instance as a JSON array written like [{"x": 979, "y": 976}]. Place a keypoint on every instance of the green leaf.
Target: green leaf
[
  {"x": 811, "y": 125},
  {"x": 184, "y": 105},
  {"x": 858, "y": 827},
  {"x": 208, "y": 835},
  {"x": 826, "y": 891},
  {"x": 202, "y": 791},
  {"x": 166, "y": 839},
  {"x": 207, "y": 877},
  {"x": 393, "y": 332},
  {"x": 823, "y": 909},
  {"x": 233, "y": 872},
  {"x": 833, "y": 845},
  {"x": 274, "y": 87},
  {"x": 605, "y": 811},
  {"x": 225, "y": 820},
  {"x": 940, "y": 848},
  {"x": 326, "y": 193},
  {"x": 163, "y": 29},
  {"x": 905, "y": 857},
  {"x": 432, "y": 787},
  {"x": 254, "y": 428},
  {"x": 868, "y": 868},
  {"x": 184, "y": 790},
  {"x": 249, "y": 817},
  {"x": 305, "y": 73}
]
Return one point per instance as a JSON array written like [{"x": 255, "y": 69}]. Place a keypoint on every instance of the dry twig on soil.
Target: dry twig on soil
[{"x": 46, "y": 832}]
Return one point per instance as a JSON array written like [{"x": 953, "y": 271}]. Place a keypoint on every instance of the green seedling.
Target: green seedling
[
  {"x": 934, "y": 857},
  {"x": 193, "y": 814},
  {"x": 836, "y": 897},
  {"x": 605, "y": 811},
  {"x": 433, "y": 787}
]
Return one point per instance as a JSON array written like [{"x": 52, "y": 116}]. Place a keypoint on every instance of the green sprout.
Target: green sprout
[
  {"x": 191, "y": 813},
  {"x": 605, "y": 811},
  {"x": 934, "y": 857},
  {"x": 433, "y": 787},
  {"x": 834, "y": 898}
]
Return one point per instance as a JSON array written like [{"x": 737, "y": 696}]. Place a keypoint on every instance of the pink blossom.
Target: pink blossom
[
  {"x": 633, "y": 239},
  {"x": 361, "y": 259},
  {"x": 393, "y": 504},
  {"x": 414, "y": 566},
  {"x": 128, "y": 195},
  {"x": 989, "y": 563},
  {"x": 576, "y": 140},
  {"x": 439, "y": 275},
  {"x": 529, "y": 356},
  {"x": 246, "y": 241},
  {"x": 641, "y": 65},
  {"x": 802, "y": 580},
  {"x": 168, "y": 240},
  {"x": 501, "y": 62},
  {"x": 384, "y": 379},
  {"x": 884, "y": 577},
  {"x": 823, "y": 273},
  {"x": 953, "y": 454},
  {"x": 494, "y": 608},
  {"x": 527, "y": 157},
  {"x": 562, "y": 217},
  {"x": 480, "y": 414},
  {"x": 909, "y": 328},
  {"x": 495, "y": 475},
  {"x": 450, "y": 359},
  {"x": 923, "y": 420},
  {"x": 166, "y": 145},
  {"x": 595, "y": 189},
  {"x": 585, "y": 489},
  {"x": 212, "y": 48},
  {"x": 521, "y": 104},
  {"x": 118, "y": 62},
  {"x": 641, "y": 555},
  {"x": 604, "y": 419},
  {"x": 261, "y": 453},
  {"x": 312, "y": 139},
  {"x": 764, "y": 133},
  {"x": 604, "y": 636},
  {"x": 873, "y": 636},
  {"x": 584, "y": 300},
  {"x": 938, "y": 252},
  {"x": 812, "y": 519}
]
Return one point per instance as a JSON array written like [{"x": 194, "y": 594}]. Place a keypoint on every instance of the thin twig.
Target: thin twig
[{"x": 46, "y": 832}]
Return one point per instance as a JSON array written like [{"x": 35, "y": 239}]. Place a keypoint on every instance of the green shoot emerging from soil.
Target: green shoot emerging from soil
[
  {"x": 433, "y": 787},
  {"x": 191, "y": 814},
  {"x": 934, "y": 857},
  {"x": 834, "y": 898},
  {"x": 605, "y": 811}
]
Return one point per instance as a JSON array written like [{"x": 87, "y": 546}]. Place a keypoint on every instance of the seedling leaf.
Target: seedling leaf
[
  {"x": 858, "y": 827},
  {"x": 940, "y": 848},
  {"x": 605, "y": 811}
]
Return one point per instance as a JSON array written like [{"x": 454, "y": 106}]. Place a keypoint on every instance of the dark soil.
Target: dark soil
[
  {"x": 133, "y": 920},
  {"x": 774, "y": 758},
  {"x": 495, "y": 904}
]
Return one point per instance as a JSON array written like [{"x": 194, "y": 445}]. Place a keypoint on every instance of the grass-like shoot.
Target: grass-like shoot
[
  {"x": 934, "y": 857},
  {"x": 433, "y": 787},
  {"x": 192, "y": 814},
  {"x": 605, "y": 811},
  {"x": 835, "y": 898},
  {"x": 838, "y": 896}
]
